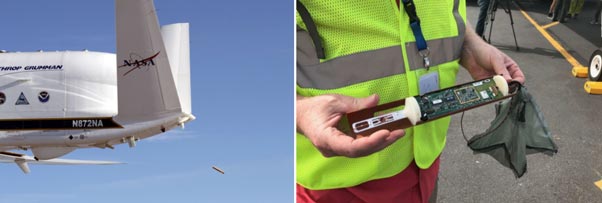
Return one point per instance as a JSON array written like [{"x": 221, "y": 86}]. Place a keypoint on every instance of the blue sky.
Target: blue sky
[{"x": 242, "y": 84}]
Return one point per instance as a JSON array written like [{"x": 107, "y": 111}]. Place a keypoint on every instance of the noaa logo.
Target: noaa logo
[
  {"x": 2, "y": 98},
  {"x": 43, "y": 96}
]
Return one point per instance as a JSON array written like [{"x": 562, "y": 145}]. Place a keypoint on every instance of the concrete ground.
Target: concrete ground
[{"x": 574, "y": 118}]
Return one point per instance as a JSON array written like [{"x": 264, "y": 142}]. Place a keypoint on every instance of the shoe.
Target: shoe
[
  {"x": 550, "y": 16},
  {"x": 594, "y": 22}
]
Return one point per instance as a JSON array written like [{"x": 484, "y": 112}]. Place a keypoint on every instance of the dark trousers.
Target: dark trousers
[
  {"x": 598, "y": 8},
  {"x": 483, "y": 6},
  {"x": 562, "y": 8}
]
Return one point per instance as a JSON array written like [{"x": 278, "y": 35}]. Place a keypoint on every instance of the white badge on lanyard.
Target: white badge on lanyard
[{"x": 429, "y": 82}]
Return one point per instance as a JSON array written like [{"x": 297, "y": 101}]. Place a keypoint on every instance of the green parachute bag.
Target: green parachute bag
[{"x": 517, "y": 130}]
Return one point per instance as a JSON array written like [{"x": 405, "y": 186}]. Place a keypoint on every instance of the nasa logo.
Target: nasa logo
[
  {"x": 137, "y": 62},
  {"x": 43, "y": 96},
  {"x": 2, "y": 98},
  {"x": 22, "y": 100}
]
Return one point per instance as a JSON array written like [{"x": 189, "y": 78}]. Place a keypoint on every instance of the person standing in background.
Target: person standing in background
[
  {"x": 551, "y": 10},
  {"x": 575, "y": 8},
  {"x": 560, "y": 10},
  {"x": 483, "y": 7},
  {"x": 596, "y": 20}
]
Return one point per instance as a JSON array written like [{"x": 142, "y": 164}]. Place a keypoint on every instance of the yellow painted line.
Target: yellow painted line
[
  {"x": 550, "y": 25},
  {"x": 552, "y": 41},
  {"x": 599, "y": 184}
]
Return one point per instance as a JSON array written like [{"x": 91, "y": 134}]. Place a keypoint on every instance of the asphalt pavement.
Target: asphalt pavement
[{"x": 572, "y": 115}]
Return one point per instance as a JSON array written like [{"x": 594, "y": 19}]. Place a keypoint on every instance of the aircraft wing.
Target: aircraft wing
[{"x": 22, "y": 161}]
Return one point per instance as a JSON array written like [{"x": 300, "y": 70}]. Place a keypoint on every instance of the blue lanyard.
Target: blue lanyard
[{"x": 421, "y": 45}]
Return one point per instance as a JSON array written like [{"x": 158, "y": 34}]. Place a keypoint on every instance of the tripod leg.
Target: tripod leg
[
  {"x": 491, "y": 14},
  {"x": 512, "y": 24}
]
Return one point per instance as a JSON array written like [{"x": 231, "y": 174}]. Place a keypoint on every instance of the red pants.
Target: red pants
[{"x": 411, "y": 185}]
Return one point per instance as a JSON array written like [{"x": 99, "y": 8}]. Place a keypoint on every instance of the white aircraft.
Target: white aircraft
[{"x": 55, "y": 102}]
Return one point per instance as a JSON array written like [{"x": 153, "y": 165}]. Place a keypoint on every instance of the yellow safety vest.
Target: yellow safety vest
[{"x": 370, "y": 49}]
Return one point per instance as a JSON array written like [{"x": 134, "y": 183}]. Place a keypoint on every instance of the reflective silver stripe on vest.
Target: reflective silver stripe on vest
[
  {"x": 306, "y": 53},
  {"x": 370, "y": 65},
  {"x": 347, "y": 70},
  {"x": 442, "y": 50},
  {"x": 459, "y": 20}
]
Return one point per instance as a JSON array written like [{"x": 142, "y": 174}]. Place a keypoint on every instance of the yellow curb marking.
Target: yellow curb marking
[
  {"x": 552, "y": 41},
  {"x": 550, "y": 25}
]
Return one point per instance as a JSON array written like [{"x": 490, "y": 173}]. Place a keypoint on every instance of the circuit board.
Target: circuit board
[{"x": 447, "y": 101}]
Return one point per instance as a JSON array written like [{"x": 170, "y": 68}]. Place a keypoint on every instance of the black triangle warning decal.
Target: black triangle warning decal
[{"x": 22, "y": 100}]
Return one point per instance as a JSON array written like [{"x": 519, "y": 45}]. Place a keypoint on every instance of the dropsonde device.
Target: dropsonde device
[{"x": 430, "y": 106}]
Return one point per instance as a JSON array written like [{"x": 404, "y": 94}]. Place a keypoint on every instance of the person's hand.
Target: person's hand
[
  {"x": 317, "y": 118},
  {"x": 483, "y": 60}
]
